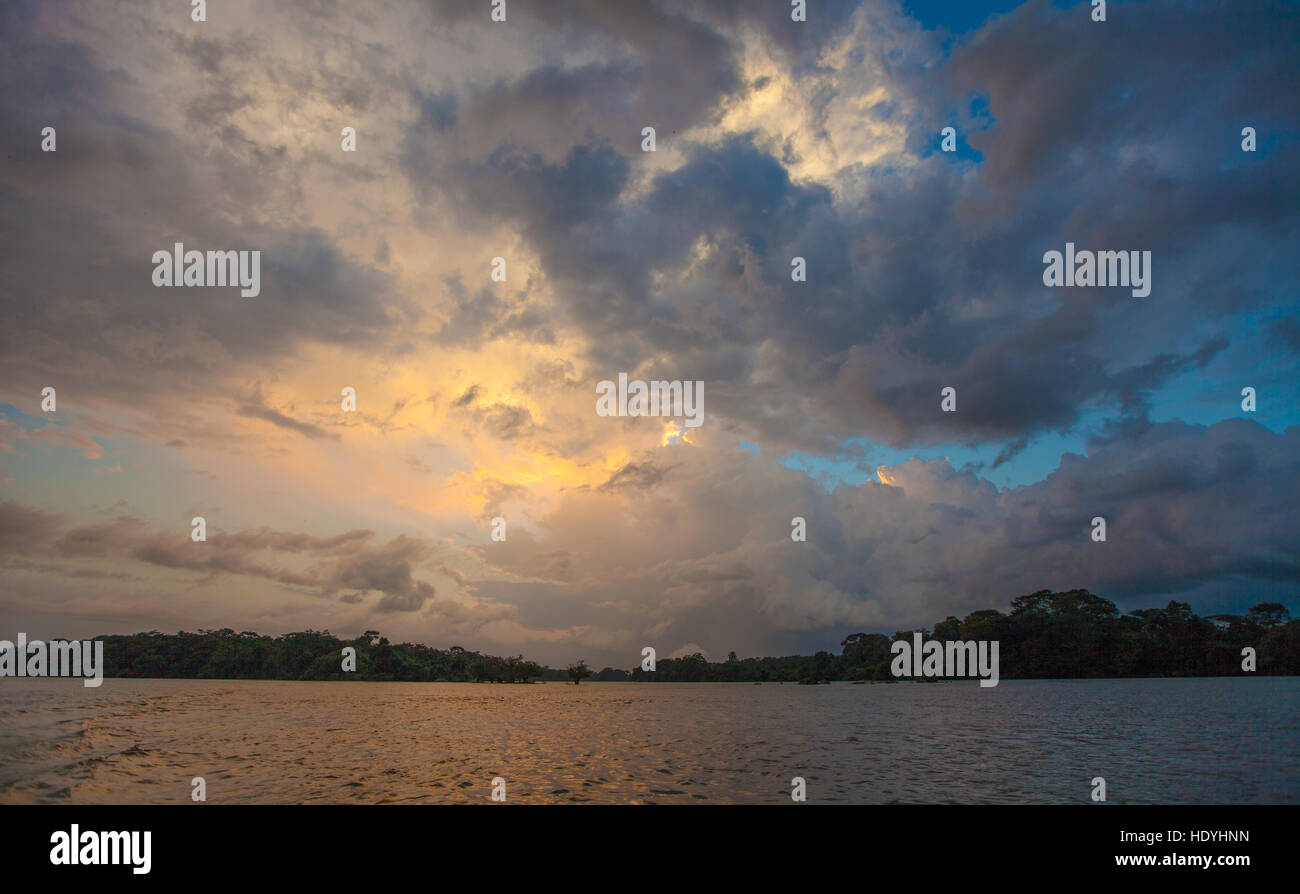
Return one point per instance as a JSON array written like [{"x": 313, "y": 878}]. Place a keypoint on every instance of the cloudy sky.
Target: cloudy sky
[{"x": 476, "y": 399}]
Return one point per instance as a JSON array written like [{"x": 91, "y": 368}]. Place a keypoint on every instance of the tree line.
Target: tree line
[
  {"x": 308, "y": 655},
  {"x": 1045, "y": 635}
]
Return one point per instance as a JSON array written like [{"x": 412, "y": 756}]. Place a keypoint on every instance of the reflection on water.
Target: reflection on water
[{"x": 1154, "y": 741}]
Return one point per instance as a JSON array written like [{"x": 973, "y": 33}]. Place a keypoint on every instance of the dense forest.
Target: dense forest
[
  {"x": 1046, "y": 635},
  {"x": 310, "y": 655}
]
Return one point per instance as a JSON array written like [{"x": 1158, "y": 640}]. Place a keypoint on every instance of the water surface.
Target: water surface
[{"x": 1230, "y": 740}]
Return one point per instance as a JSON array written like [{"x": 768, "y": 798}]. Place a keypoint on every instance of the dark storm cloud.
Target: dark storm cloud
[
  {"x": 931, "y": 276},
  {"x": 871, "y": 334},
  {"x": 696, "y": 32},
  {"x": 665, "y": 64},
  {"x": 926, "y": 276},
  {"x": 662, "y": 64},
  {"x": 1063, "y": 88}
]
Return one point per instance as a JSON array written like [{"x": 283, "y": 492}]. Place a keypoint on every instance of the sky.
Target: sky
[{"x": 476, "y": 399}]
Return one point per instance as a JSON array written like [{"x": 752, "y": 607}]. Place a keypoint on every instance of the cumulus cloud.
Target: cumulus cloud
[
  {"x": 697, "y": 556},
  {"x": 475, "y": 397}
]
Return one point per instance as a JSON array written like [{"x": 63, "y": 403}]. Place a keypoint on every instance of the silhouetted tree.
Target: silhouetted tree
[{"x": 578, "y": 670}]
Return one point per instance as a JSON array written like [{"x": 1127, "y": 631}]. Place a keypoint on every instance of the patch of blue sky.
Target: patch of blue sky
[
  {"x": 857, "y": 465},
  {"x": 26, "y": 421},
  {"x": 957, "y": 16}
]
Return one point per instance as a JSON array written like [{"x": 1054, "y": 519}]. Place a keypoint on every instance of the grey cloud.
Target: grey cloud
[
  {"x": 387, "y": 569},
  {"x": 349, "y": 561},
  {"x": 23, "y": 529},
  {"x": 470, "y": 395},
  {"x": 84, "y": 223},
  {"x": 508, "y": 423},
  {"x": 275, "y": 417},
  {"x": 636, "y": 476},
  {"x": 1189, "y": 509},
  {"x": 926, "y": 279}
]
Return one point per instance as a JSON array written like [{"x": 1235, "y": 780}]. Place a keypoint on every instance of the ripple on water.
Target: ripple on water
[{"x": 272, "y": 742}]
